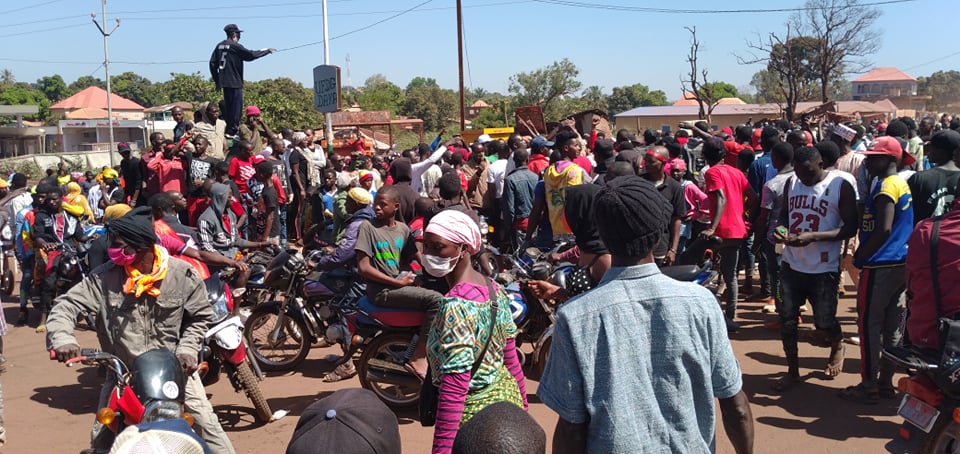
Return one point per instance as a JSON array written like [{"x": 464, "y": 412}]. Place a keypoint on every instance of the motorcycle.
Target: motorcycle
[
  {"x": 7, "y": 251},
  {"x": 931, "y": 413},
  {"x": 71, "y": 270},
  {"x": 151, "y": 390},
  {"x": 224, "y": 350}
]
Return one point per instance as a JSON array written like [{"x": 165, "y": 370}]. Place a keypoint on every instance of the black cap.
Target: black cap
[
  {"x": 349, "y": 421},
  {"x": 123, "y": 147},
  {"x": 232, "y": 28},
  {"x": 948, "y": 140}
]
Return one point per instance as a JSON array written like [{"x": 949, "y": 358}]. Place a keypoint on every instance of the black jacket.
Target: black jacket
[{"x": 226, "y": 63}]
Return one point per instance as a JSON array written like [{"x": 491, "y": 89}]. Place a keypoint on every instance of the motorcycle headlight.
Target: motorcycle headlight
[{"x": 162, "y": 410}]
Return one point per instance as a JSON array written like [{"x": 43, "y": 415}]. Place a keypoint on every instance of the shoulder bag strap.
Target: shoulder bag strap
[
  {"x": 493, "y": 324},
  {"x": 934, "y": 260}
]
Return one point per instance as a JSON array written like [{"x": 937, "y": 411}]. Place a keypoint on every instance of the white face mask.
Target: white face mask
[{"x": 437, "y": 266}]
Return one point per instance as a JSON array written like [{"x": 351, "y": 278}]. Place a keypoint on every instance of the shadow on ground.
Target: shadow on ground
[{"x": 77, "y": 398}]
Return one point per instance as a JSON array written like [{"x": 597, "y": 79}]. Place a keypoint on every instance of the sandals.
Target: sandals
[
  {"x": 784, "y": 383},
  {"x": 342, "y": 372},
  {"x": 860, "y": 394}
]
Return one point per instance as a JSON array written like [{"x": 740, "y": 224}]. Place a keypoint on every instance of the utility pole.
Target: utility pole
[
  {"x": 463, "y": 108},
  {"x": 327, "y": 117},
  {"x": 106, "y": 70}
]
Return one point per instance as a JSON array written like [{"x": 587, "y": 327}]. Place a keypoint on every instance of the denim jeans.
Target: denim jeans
[
  {"x": 773, "y": 270},
  {"x": 282, "y": 219},
  {"x": 729, "y": 253},
  {"x": 796, "y": 289}
]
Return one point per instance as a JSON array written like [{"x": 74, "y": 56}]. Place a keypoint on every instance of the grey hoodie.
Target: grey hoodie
[{"x": 213, "y": 234}]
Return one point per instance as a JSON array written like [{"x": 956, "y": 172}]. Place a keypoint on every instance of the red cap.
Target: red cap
[
  {"x": 253, "y": 110},
  {"x": 890, "y": 146}
]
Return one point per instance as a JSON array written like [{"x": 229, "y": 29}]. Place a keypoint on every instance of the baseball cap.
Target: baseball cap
[
  {"x": 123, "y": 147},
  {"x": 677, "y": 164},
  {"x": 889, "y": 146},
  {"x": 232, "y": 28},
  {"x": 882, "y": 127},
  {"x": 253, "y": 110},
  {"x": 484, "y": 138},
  {"x": 948, "y": 140},
  {"x": 349, "y": 421},
  {"x": 360, "y": 195},
  {"x": 539, "y": 142}
]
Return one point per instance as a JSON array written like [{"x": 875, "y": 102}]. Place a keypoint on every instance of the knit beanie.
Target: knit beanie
[{"x": 631, "y": 216}]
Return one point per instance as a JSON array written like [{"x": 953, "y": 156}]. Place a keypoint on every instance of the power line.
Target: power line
[
  {"x": 220, "y": 8},
  {"x": 31, "y": 6},
  {"x": 698, "y": 11},
  {"x": 466, "y": 55},
  {"x": 45, "y": 20},
  {"x": 43, "y": 30},
  {"x": 349, "y": 13},
  {"x": 935, "y": 60},
  {"x": 401, "y": 13}
]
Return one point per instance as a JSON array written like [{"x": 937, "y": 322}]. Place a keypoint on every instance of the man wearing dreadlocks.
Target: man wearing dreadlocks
[{"x": 144, "y": 299}]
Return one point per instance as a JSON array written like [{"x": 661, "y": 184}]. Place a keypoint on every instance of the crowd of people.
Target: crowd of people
[{"x": 799, "y": 203}]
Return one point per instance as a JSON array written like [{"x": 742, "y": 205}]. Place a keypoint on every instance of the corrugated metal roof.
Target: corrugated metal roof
[{"x": 751, "y": 109}]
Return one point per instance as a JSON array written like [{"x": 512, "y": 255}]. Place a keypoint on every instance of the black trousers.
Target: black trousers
[{"x": 232, "y": 109}]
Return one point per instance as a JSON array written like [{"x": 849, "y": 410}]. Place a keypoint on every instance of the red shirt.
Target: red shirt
[
  {"x": 733, "y": 150},
  {"x": 584, "y": 164},
  {"x": 242, "y": 170},
  {"x": 538, "y": 163},
  {"x": 733, "y": 183},
  {"x": 922, "y": 317}
]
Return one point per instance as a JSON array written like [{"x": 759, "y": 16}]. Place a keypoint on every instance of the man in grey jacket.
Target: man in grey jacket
[{"x": 161, "y": 305}]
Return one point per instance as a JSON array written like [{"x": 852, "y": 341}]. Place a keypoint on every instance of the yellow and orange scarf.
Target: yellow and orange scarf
[{"x": 137, "y": 283}]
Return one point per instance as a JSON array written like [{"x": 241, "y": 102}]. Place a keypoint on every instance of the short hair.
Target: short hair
[
  {"x": 502, "y": 428},
  {"x": 713, "y": 149},
  {"x": 424, "y": 207},
  {"x": 449, "y": 186},
  {"x": 520, "y": 156},
  {"x": 264, "y": 167},
  {"x": 783, "y": 151},
  {"x": 20, "y": 180},
  {"x": 797, "y": 138},
  {"x": 161, "y": 201},
  {"x": 910, "y": 122},
  {"x": 390, "y": 193},
  {"x": 47, "y": 187},
  {"x": 222, "y": 167},
  {"x": 829, "y": 151},
  {"x": 743, "y": 133},
  {"x": 562, "y": 138},
  {"x": 746, "y": 157},
  {"x": 623, "y": 135},
  {"x": 155, "y": 135},
  {"x": 423, "y": 149},
  {"x": 649, "y": 137},
  {"x": 804, "y": 155},
  {"x": 244, "y": 144},
  {"x": 619, "y": 169},
  {"x": 897, "y": 128},
  {"x": 783, "y": 125},
  {"x": 702, "y": 125},
  {"x": 515, "y": 141}
]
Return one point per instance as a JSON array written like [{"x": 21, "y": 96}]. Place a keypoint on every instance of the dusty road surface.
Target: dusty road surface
[{"x": 50, "y": 408}]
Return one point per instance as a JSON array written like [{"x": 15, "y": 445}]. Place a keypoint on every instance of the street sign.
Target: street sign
[{"x": 326, "y": 88}]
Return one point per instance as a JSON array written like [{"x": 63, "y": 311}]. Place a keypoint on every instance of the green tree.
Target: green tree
[
  {"x": 284, "y": 102},
  {"x": 493, "y": 117},
  {"x": 53, "y": 87},
  {"x": 637, "y": 95},
  {"x": 437, "y": 107},
  {"x": 547, "y": 87},
  {"x": 23, "y": 94},
  {"x": 380, "y": 94},
  {"x": 192, "y": 88},
  {"x": 418, "y": 82},
  {"x": 943, "y": 87},
  {"x": 720, "y": 90},
  {"x": 594, "y": 98},
  {"x": 86, "y": 81},
  {"x": 790, "y": 75},
  {"x": 7, "y": 78},
  {"x": 136, "y": 88}
]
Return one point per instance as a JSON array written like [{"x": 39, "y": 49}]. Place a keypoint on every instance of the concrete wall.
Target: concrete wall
[{"x": 93, "y": 161}]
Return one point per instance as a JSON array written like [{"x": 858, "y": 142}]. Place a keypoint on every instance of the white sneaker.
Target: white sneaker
[
  {"x": 855, "y": 340},
  {"x": 769, "y": 308}
]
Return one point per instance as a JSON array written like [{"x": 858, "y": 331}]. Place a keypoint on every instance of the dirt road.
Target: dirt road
[{"x": 50, "y": 408}]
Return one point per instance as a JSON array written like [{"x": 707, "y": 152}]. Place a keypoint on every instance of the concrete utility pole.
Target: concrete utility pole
[
  {"x": 106, "y": 70},
  {"x": 327, "y": 118}
]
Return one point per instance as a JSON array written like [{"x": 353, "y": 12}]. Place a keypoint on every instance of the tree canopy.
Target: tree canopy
[{"x": 637, "y": 95}]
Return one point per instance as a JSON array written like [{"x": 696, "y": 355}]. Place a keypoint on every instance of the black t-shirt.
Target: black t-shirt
[
  {"x": 266, "y": 204},
  {"x": 200, "y": 170},
  {"x": 408, "y": 198},
  {"x": 932, "y": 192},
  {"x": 131, "y": 172},
  {"x": 226, "y": 63},
  {"x": 672, "y": 192},
  {"x": 303, "y": 171}
]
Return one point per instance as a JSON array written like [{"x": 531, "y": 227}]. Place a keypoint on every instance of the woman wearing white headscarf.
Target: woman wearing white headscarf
[{"x": 462, "y": 329}]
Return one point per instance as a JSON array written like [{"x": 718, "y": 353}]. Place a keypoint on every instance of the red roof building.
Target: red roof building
[
  {"x": 888, "y": 83},
  {"x": 94, "y": 97}
]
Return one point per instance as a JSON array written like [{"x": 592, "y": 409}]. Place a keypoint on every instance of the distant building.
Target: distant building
[
  {"x": 689, "y": 99},
  {"x": 474, "y": 109},
  {"x": 889, "y": 83},
  {"x": 86, "y": 127}
]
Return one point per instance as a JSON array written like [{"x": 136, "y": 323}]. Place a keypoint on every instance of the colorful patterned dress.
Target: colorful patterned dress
[{"x": 457, "y": 337}]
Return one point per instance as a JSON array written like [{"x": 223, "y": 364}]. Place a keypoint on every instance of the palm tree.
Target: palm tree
[
  {"x": 6, "y": 77},
  {"x": 594, "y": 97}
]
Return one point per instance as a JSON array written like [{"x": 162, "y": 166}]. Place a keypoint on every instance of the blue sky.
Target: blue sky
[{"x": 610, "y": 47}]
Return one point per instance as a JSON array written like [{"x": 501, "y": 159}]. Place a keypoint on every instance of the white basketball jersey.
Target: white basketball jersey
[{"x": 814, "y": 209}]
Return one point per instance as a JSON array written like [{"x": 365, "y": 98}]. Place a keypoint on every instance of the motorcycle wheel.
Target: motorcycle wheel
[
  {"x": 381, "y": 353},
  {"x": 6, "y": 282},
  {"x": 542, "y": 357},
  {"x": 251, "y": 387},
  {"x": 291, "y": 347},
  {"x": 943, "y": 437}
]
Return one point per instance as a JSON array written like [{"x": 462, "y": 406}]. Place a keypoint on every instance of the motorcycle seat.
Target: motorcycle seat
[
  {"x": 390, "y": 316},
  {"x": 257, "y": 269},
  {"x": 682, "y": 273}
]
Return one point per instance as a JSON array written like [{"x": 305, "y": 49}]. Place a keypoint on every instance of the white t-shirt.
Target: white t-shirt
[
  {"x": 814, "y": 209},
  {"x": 495, "y": 174}
]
